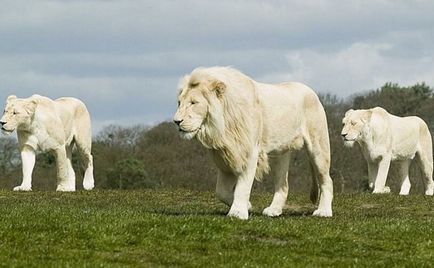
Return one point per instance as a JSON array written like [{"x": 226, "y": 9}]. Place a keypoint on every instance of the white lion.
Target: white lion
[
  {"x": 245, "y": 124},
  {"x": 48, "y": 125},
  {"x": 383, "y": 138}
]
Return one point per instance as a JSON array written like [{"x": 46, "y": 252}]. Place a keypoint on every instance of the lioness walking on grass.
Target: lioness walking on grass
[
  {"x": 51, "y": 125},
  {"x": 383, "y": 138}
]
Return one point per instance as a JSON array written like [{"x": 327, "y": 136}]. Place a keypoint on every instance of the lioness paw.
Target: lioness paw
[
  {"x": 430, "y": 190},
  {"x": 323, "y": 213},
  {"x": 272, "y": 212},
  {"x": 23, "y": 188},
  {"x": 385, "y": 190},
  {"x": 88, "y": 185}
]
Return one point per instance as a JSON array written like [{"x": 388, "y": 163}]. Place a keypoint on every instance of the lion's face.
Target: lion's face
[
  {"x": 192, "y": 111},
  {"x": 354, "y": 124},
  {"x": 17, "y": 114}
]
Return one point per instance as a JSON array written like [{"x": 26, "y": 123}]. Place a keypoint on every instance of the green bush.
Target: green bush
[{"x": 129, "y": 174}]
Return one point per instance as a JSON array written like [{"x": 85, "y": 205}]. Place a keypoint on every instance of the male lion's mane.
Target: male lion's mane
[{"x": 230, "y": 129}]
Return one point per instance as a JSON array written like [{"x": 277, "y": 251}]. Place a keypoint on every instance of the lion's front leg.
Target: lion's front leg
[
  {"x": 241, "y": 204},
  {"x": 65, "y": 183},
  {"x": 28, "y": 158},
  {"x": 380, "y": 182},
  {"x": 225, "y": 187}
]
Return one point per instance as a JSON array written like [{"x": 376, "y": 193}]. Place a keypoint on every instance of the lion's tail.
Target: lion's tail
[
  {"x": 263, "y": 165},
  {"x": 314, "y": 192}
]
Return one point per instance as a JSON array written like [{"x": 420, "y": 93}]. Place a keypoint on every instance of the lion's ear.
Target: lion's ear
[
  {"x": 30, "y": 107},
  {"x": 11, "y": 98},
  {"x": 218, "y": 87}
]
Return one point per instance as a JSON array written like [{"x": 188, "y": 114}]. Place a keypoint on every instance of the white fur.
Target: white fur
[
  {"x": 383, "y": 138},
  {"x": 243, "y": 122},
  {"x": 48, "y": 125}
]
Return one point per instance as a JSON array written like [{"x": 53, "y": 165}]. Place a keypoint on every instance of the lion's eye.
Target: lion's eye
[
  {"x": 193, "y": 102},
  {"x": 15, "y": 113}
]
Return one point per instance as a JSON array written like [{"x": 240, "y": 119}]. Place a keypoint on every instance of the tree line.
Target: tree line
[{"x": 155, "y": 157}]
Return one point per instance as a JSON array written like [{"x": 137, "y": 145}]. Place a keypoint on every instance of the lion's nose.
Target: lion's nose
[
  {"x": 2, "y": 123},
  {"x": 344, "y": 135},
  {"x": 177, "y": 121}
]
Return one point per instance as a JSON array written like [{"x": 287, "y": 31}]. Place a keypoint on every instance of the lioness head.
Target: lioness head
[
  {"x": 198, "y": 97},
  {"x": 354, "y": 125},
  {"x": 17, "y": 114}
]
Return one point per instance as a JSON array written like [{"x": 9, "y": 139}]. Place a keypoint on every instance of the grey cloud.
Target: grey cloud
[{"x": 124, "y": 58}]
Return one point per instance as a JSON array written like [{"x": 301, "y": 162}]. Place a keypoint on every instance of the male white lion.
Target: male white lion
[
  {"x": 48, "y": 125},
  {"x": 383, "y": 138},
  {"x": 245, "y": 124}
]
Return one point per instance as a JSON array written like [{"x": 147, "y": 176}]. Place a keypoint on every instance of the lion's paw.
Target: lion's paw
[
  {"x": 323, "y": 213},
  {"x": 385, "y": 190},
  {"x": 23, "y": 188},
  {"x": 272, "y": 212},
  {"x": 242, "y": 214}
]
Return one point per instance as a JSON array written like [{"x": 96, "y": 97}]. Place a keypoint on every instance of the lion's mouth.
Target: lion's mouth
[{"x": 7, "y": 130}]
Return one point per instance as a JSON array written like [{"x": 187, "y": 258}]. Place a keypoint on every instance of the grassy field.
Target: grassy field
[{"x": 189, "y": 229}]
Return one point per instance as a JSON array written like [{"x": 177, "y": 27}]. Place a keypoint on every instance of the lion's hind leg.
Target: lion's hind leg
[{"x": 279, "y": 172}]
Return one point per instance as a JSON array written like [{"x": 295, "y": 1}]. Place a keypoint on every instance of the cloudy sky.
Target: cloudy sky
[{"x": 124, "y": 58}]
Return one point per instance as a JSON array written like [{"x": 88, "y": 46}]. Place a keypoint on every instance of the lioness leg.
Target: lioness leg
[
  {"x": 243, "y": 188},
  {"x": 279, "y": 172},
  {"x": 64, "y": 184},
  {"x": 380, "y": 182},
  {"x": 28, "y": 158},
  {"x": 405, "y": 180},
  {"x": 320, "y": 159},
  {"x": 71, "y": 173},
  {"x": 426, "y": 166},
  {"x": 84, "y": 146},
  {"x": 372, "y": 173}
]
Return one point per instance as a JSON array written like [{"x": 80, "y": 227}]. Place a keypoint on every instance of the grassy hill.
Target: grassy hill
[{"x": 189, "y": 229}]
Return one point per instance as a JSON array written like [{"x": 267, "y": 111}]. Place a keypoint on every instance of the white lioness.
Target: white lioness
[
  {"x": 383, "y": 138},
  {"x": 48, "y": 125},
  {"x": 245, "y": 124}
]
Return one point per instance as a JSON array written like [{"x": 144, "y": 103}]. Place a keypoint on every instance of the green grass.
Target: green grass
[{"x": 184, "y": 228}]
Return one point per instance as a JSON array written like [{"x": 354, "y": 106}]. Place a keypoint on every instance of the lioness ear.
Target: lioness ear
[
  {"x": 11, "y": 98},
  {"x": 30, "y": 107},
  {"x": 219, "y": 87},
  {"x": 349, "y": 112},
  {"x": 366, "y": 116}
]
